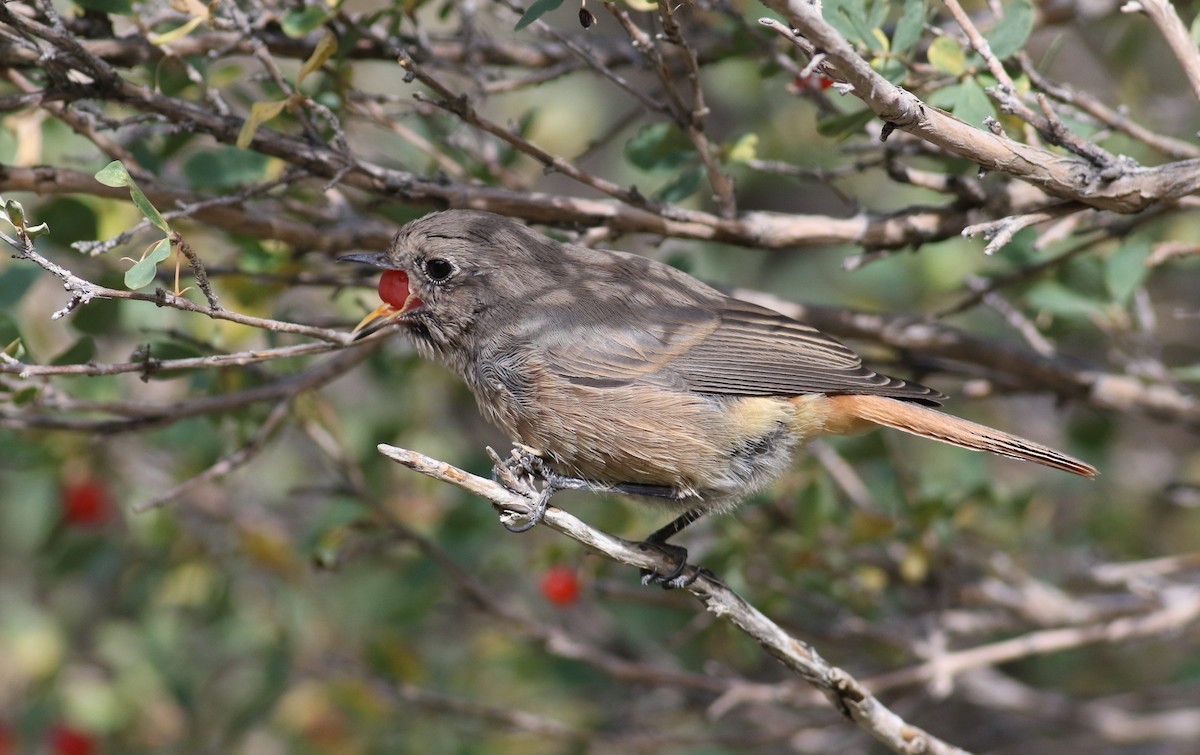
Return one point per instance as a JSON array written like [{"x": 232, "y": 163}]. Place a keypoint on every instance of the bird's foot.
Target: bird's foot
[
  {"x": 680, "y": 575},
  {"x": 518, "y": 473}
]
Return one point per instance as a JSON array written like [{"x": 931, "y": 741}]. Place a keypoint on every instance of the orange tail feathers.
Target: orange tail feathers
[{"x": 930, "y": 423}]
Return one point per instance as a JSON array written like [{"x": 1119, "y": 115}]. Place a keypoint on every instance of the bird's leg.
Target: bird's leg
[
  {"x": 657, "y": 540},
  {"x": 517, "y": 471}
]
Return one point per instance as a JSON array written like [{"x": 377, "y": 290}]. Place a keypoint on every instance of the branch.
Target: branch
[
  {"x": 1127, "y": 190},
  {"x": 841, "y": 689}
]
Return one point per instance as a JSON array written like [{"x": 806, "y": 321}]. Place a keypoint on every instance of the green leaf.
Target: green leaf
[
  {"x": 973, "y": 103},
  {"x": 850, "y": 18},
  {"x": 1009, "y": 34},
  {"x": 80, "y": 352},
  {"x": 535, "y": 12},
  {"x": 114, "y": 174},
  {"x": 844, "y": 126},
  {"x": 142, "y": 273},
  {"x": 946, "y": 55},
  {"x": 1189, "y": 374},
  {"x": 684, "y": 185},
  {"x": 909, "y": 27},
  {"x": 659, "y": 146},
  {"x": 299, "y": 23},
  {"x": 1126, "y": 270}
]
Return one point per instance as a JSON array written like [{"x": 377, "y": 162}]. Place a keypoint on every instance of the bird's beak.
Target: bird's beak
[
  {"x": 379, "y": 318},
  {"x": 385, "y": 313},
  {"x": 374, "y": 259}
]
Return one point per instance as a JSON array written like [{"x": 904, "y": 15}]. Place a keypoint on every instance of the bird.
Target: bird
[{"x": 616, "y": 372}]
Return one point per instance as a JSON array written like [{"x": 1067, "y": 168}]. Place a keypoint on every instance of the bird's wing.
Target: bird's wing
[{"x": 733, "y": 348}]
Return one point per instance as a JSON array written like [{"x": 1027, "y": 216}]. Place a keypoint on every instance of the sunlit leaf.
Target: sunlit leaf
[
  {"x": 260, "y": 113},
  {"x": 744, "y": 149},
  {"x": 179, "y": 32},
  {"x": 946, "y": 55},
  {"x": 142, "y": 272},
  {"x": 325, "y": 50}
]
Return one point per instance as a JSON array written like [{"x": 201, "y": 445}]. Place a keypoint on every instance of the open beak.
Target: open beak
[{"x": 398, "y": 298}]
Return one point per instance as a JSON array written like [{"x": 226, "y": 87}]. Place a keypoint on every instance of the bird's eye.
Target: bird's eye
[{"x": 438, "y": 269}]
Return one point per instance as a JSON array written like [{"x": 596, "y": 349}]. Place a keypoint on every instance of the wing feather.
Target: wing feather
[{"x": 735, "y": 348}]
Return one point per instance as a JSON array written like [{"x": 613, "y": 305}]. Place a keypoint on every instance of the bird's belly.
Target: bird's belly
[{"x": 710, "y": 450}]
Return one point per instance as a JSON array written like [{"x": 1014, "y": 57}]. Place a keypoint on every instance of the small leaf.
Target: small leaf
[
  {"x": 909, "y": 27},
  {"x": 744, "y": 149},
  {"x": 659, "y": 146},
  {"x": 536, "y": 11},
  {"x": 260, "y": 113},
  {"x": 114, "y": 174},
  {"x": 684, "y": 185},
  {"x": 881, "y": 38},
  {"x": 946, "y": 55},
  {"x": 178, "y": 32},
  {"x": 143, "y": 203},
  {"x": 1126, "y": 270},
  {"x": 299, "y": 23},
  {"x": 1009, "y": 34},
  {"x": 142, "y": 273},
  {"x": 325, "y": 50},
  {"x": 973, "y": 103}
]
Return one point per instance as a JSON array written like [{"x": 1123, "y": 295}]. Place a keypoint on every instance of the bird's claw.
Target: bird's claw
[
  {"x": 517, "y": 473},
  {"x": 679, "y": 576}
]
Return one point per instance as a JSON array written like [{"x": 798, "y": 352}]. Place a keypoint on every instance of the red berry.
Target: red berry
[
  {"x": 85, "y": 504},
  {"x": 67, "y": 741},
  {"x": 393, "y": 287},
  {"x": 560, "y": 586}
]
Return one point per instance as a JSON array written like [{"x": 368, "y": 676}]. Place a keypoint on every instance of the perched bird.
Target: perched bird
[{"x": 622, "y": 373}]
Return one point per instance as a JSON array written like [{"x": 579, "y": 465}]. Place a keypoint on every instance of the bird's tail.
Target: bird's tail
[{"x": 930, "y": 423}]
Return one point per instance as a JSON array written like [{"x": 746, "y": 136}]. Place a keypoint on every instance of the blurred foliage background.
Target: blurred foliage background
[{"x": 289, "y": 590}]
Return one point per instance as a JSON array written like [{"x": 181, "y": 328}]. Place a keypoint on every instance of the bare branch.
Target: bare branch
[{"x": 842, "y": 690}]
